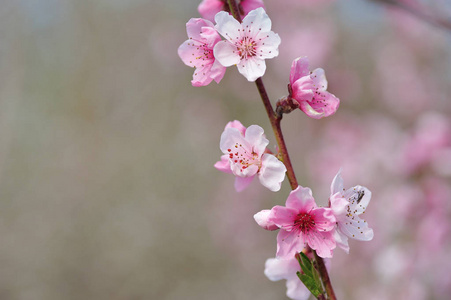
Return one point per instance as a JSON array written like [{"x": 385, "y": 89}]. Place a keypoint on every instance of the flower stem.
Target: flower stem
[{"x": 275, "y": 123}]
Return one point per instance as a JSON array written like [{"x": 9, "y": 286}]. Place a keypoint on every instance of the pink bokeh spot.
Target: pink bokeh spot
[
  {"x": 209, "y": 8},
  {"x": 248, "y": 44},
  {"x": 245, "y": 157},
  {"x": 309, "y": 90},
  {"x": 197, "y": 52}
]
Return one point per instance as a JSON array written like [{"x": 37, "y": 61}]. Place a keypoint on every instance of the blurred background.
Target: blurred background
[{"x": 107, "y": 185}]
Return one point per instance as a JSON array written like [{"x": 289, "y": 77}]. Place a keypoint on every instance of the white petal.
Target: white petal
[
  {"x": 268, "y": 45},
  {"x": 252, "y": 68},
  {"x": 296, "y": 290},
  {"x": 228, "y": 26},
  {"x": 341, "y": 240},
  {"x": 255, "y": 136},
  {"x": 281, "y": 268},
  {"x": 337, "y": 184},
  {"x": 272, "y": 172},
  {"x": 229, "y": 138},
  {"x": 226, "y": 54},
  {"x": 357, "y": 229},
  {"x": 256, "y": 22},
  {"x": 359, "y": 198}
]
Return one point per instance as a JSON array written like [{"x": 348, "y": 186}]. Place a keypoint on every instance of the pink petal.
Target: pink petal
[
  {"x": 247, "y": 172},
  {"x": 319, "y": 79},
  {"x": 289, "y": 243},
  {"x": 201, "y": 76},
  {"x": 301, "y": 200},
  {"x": 217, "y": 71},
  {"x": 249, "y": 5},
  {"x": 262, "y": 219},
  {"x": 309, "y": 111},
  {"x": 228, "y": 26},
  {"x": 255, "y": 136},
  {"x": 210, "y": 36},
  {"x": 251, "y": 68},
  {"x": 223, "y": 165},
  {"x": 324, "y": 219},
  {"x": 226, "y": 54},
  {"x": 283, "y": 216},
  {"x": 338, "y": 204},
  {"x": 256, "y": 22},
  {"x": 303, "y": 89},
  {"x": 188, "y": 53},
  {"x": 325, "y": 103},
  {"x": 237, "y": 124},
  {"x": 272, "y": 172},
  {"x": 194, "y": 28},
  {"x": 299, "y": 68},
  {"x": 209, "y": 8},
  {"x": 323, "y": 243},
  {"x": 242, "y": 182}
]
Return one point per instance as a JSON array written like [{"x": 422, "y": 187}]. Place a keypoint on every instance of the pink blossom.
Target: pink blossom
[
  {"x": 248, "y": 44},
  {"x": 302, "y": 223},
  {"x": 309, "y": 90},
  {"x": 285, "y": 268},
  {"x": 197, "y": 52},
  {"x": 245, "y": 157},
  {"x": 209, "y": 8},
  {"x": 347, "y": 205}
]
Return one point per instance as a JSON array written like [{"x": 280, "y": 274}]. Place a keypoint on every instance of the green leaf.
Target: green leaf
[
  {"x": 310, "y": 284},
  {"x": 306, "y": 264}
]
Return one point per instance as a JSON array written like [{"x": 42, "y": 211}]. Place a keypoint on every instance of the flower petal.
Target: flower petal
[
  {"x": 229, "y": 138},
  {"x": 337, "y": 184},
  {"x": 251, "y": 68},
  {"x": 242, "y": 182},
  {"x": 341, "y": 240},
  {"x": 359, "y": 198},
  {"x": 223, "y": 165},
  {"x": 281, "y": 268},
  {"x": 262, "y": 219},
  {"x": 289, "y": 243},
  {"x": 324, "y": 219},
  {"x": 237, "y": 124},
  {"x": 296, "y": 290},
  {"x": 319, "y": 79},
  {"x": 228, "y": 26},
  {"x": 268, "y": 45},
  {"x": 217, "y": 71},
  {"x": 255, "y": 136},
  {"x": 301, "y": 200},
  {"x": 209, "y": 8},
  {"x": 299, "y": 68},
  {"x": 325, "y": 103},
  {"x": 249, "y": 5},
  {"x": 357, "y": 229},
  {"x": 226, "y": 53},
  {"x": 201, "y": 76},
  {"x": 302, "y": 89},
  {"x": 283, "y": 216},
  {"x": 272, "y": 172},
  {"x": 309, "y": 111},
  {"x": 322, "y": 242},
  {"x": 256, "y": 22}
]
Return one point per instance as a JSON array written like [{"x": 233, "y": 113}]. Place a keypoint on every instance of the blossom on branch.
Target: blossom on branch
[
  {"x": 347, "y": 205},
  {"x": 197, "y": 52},
  {"x": 285, "y": 268},
  {"x": 209, "y": 8},
  {"x": 245, "y": 157},
  {"x": 308, "y": 90},
  {"x": 301, "y": 223},
  {"x": 248, "y": 44}
]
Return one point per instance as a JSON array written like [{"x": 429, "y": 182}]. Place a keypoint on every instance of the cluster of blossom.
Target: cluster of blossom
[{"x": 302, "y": 224}]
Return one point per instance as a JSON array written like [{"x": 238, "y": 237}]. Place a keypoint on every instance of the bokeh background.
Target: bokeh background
[{"x": 107, "y": 185}]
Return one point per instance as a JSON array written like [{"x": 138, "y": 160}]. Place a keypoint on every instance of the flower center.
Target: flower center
[
  {"x": 246, "y": 47},
  {"x": 239, "y": 155},
  {"x": 304, "y": 222},
  {"x": 207, "y": 52}
]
